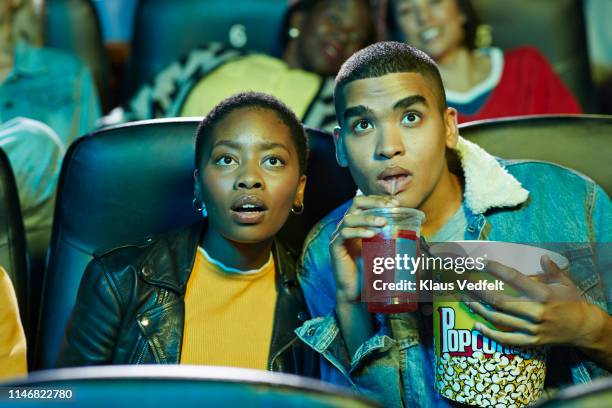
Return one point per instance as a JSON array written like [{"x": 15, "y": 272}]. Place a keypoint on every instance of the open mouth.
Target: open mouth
[
  {"x": 394, "y": 180},
  {"x": 331, "y": 51},
  {"x": 429, "y": 34},
  {"x": 248, "y": 209}
]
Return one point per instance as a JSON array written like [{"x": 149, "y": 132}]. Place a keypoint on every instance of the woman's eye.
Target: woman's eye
[
  {"x": 411, "y": 118},
  {"x": 225, "y": 161},
  {"x": 274, "y": 162},
  {"x": 362, "y": 125},
  {"x": 332, "y": 18}
]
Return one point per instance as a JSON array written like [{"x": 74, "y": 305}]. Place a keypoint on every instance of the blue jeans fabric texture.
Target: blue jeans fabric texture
[
  {"x": 511, "y": 201},
  {"x": 52, "y": 87}
]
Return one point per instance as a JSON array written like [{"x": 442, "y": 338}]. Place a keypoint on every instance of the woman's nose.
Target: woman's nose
[{"x": 249, "y": 179}]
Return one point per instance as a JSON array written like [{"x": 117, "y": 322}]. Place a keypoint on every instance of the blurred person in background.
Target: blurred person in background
[
  {"x": 35, "y": 153},
  {"x": 481, "y": 83},
  {"x": 12, "y": 338},
  {"x": 39, "y": 83},
  {"x": 318, "y": 36}
]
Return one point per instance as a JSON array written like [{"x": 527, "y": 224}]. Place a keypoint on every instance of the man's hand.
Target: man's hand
[
  {"x": 345, "y": 246},
  {"x": 549, "y": 312}
]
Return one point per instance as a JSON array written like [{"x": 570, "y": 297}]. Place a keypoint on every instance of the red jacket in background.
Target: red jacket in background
[{"x": 528, "y": 86}]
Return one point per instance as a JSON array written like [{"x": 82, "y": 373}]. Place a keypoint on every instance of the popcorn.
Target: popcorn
[
  {"x": 507, "y": 377},
  {"x": 486, "y": 382}
]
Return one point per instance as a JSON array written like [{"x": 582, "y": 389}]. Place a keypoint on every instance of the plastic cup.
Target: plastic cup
[
  {"x": 471, "y": 368},
  {"x": 387, "y": 287}
]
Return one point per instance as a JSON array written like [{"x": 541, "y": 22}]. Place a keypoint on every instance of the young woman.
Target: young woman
[
  {"x": 317, "y": 37},
  {"x": 222, "y": 291},
  {"x": 480, "y": 83}
]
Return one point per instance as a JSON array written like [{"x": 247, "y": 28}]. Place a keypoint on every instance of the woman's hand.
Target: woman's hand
[{"x": 345, "y": 246}]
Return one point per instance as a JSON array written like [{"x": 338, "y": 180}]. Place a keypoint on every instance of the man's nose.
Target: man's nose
[
  {"x": 390, "y": 143},
  {"x": 422, "y": 14}
]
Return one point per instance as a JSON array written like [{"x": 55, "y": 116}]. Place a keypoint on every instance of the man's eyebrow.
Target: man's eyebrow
[
  {"x": 409, "y": 101},
  {"x": 359, "y": 110}
]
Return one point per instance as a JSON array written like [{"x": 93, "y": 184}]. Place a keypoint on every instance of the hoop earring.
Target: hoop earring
[
  {"x": 294, "y": 32},
  {"x": 298, "y": 209},
  {"x": 199, "y": 207},
  {"x": 484, "y": 36}
]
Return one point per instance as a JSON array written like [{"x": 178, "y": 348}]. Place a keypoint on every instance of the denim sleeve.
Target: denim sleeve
[
  {"x": 601, "y": 233},
  {"x": 374, "y": 370},
  {"x": 89, "y": 102},
  {"x": 316, "y": 276}
]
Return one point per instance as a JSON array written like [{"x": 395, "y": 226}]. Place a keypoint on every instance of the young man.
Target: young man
[{"x": 397, "y": 136}]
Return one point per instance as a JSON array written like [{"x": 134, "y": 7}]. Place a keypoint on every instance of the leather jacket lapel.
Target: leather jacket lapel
[
  {"x": 289, "y": 312},
  {"x": 162, "y": 326}
]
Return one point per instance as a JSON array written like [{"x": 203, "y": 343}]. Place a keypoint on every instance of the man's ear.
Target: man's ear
[
  {"x": 451, "y": 128},
  {"x": 340, "y": 153}
]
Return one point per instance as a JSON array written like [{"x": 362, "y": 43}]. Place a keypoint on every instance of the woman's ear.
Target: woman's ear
[
  {"x": 197, "y": 186},
  {"x": 198, "y": 197},
  {"x": 299, "y": 195},
  {"x": 296, "y": 21},
  {"x": 340, "y": 153}
]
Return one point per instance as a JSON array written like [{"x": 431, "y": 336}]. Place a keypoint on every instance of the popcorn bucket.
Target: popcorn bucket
[{"x": 471, "y": 368}]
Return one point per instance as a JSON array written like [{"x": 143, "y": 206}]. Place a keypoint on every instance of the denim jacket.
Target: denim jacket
[
  {"x": 52, "y": 87},
  {"x": 512, "y": 201}
]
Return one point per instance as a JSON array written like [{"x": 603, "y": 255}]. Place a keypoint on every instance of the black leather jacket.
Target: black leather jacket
[{"x": 130, "y": 307}]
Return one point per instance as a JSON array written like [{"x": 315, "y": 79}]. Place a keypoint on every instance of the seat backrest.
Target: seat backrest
[
  {"x": 13, "y": 253},
  {"x": 73, "y": 26},
  {"x": 165, "y": 31},
  {"x": 127, "y": 182},
  {"x": 581, "y": 142},
  {"x": 222, "y": 387},
  {"x": 555, "y": 27}
]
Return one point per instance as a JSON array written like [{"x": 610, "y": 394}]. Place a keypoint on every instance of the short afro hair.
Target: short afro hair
[
  {"x": 253, "y": 100},
  {"x": 388, "y": 57}
]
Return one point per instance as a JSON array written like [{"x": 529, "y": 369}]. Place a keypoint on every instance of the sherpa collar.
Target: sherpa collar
[{"x": 487, "y": 183}]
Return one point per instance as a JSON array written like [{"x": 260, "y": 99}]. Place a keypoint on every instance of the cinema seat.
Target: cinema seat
[
  {"x": 188, "y": 386},
  {"x": 13, "y": 253},
  {"x": 127, "y": 182},
  {"x": 165, "y": 31},
  {"x": 556, "y": 28},
  {"x": 580, "y": 142},
  {"x": 73, "y": 26}
]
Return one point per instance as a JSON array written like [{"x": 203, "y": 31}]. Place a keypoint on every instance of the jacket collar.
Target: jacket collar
[
  {"x": 487, "y": 184},
  {"x": 182, "y": 246}
]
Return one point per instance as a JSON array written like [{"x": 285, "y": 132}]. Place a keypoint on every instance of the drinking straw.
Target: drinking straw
[{"x": 393, "y": 186}]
